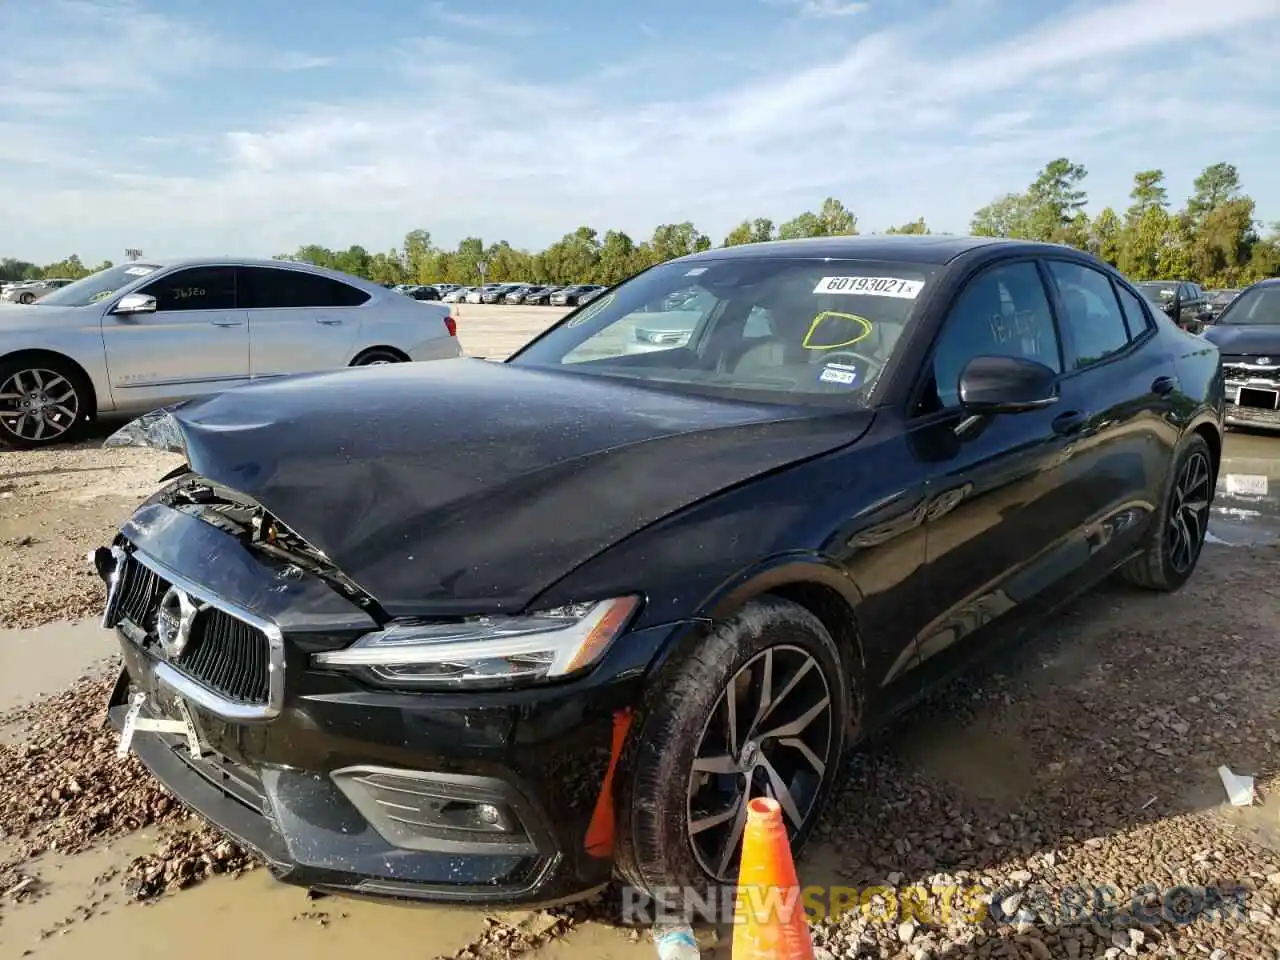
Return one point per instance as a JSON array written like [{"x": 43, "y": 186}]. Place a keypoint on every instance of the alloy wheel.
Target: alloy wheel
[
  {"x": 1189, "y": 512},
  {"x": 38, "y": 405},
  {"x": 769, "y": 734}
]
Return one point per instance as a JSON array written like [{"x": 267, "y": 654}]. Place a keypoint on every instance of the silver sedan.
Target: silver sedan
[{"x": 142, "y": 335}]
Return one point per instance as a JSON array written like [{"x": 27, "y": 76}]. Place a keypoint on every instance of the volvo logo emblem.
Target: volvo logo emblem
[{"x": 174, "y": 619}]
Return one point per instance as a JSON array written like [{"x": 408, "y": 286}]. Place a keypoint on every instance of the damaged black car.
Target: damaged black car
[{"x": 502, "y": 632}]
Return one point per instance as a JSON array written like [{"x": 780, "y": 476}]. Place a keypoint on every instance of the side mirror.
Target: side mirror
[
  {"x": 1174, "y": 307},
  {"x": 992, "y": 385},
  {"x": 135, "y": 303}
]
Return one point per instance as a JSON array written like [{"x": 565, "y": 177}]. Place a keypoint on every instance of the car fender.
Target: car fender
[
  {"x": 408, "y": 327},
  {"x": 774, "y": 575},
  {"x": 77, "y": 338}
]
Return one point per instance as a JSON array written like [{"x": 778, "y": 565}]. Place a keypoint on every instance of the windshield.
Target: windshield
[
  {"x": 789, "y": 331},
  {"x": 1158, "y": 290},
  {"x": 97, "y": 286},
  {"x": 1259, "y": 305}
]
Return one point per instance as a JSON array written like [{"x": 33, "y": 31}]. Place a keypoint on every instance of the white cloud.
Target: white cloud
[
  {"x": 505, "y": 25},
  {"x": 823, "y": 9},
  {"x": 903, "y": 123}
]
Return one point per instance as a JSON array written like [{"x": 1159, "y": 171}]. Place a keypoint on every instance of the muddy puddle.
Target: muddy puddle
[
  {"x": 52, "y": 657},
  {"x": 1246, "y": 510},
  {"x": 81, "y": 911}
]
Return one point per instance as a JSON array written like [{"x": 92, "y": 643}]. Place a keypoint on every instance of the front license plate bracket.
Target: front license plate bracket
[{"x": 135, "y": 723}]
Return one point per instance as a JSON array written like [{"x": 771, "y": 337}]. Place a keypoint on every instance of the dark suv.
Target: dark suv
[{"x": 1185, "y": 303}]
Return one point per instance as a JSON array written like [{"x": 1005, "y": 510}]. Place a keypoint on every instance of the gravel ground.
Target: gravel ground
[
  {"x": 55, "y": 506},
  {"x": 1084, "y": 758}
]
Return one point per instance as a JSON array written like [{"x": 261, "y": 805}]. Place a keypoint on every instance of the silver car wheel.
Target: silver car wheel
[
  {"x": 38, "y": 405},
  {"x": 770, "y": 735}
]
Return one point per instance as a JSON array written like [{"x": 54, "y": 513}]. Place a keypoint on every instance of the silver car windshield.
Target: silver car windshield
[
  {"x": 762, "y": 330},
  {"x": 97, "y": 286}
]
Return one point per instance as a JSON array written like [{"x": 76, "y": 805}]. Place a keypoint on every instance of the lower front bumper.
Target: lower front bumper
[
  {"x": 1259, "y": 418},
  {"x": 327, "y": 815}
]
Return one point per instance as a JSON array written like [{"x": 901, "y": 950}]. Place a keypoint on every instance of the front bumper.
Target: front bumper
[{"x": 489, "y": 798}]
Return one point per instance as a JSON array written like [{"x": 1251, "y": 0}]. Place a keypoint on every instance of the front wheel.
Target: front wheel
[
  {"x": 1179, "y": 527},
  {"x": 759, "y": 708},
  {"x": 42, "y": 402}
]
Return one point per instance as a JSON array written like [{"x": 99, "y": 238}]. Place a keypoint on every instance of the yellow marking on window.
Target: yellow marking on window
[{"x": 827, "y": 314}]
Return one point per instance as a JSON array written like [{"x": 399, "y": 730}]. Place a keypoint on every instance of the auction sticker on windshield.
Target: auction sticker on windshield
[{"x": 871, "y": 286}]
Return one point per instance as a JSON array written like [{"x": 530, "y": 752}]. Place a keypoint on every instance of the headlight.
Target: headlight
[{"x": 486, "y": 651}]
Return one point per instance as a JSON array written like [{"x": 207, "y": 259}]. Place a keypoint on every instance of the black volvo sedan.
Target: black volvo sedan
[{"x": 501, "y": 632}]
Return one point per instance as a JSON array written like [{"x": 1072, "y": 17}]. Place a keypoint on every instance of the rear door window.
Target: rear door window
[{"x": 267, "y": 288}]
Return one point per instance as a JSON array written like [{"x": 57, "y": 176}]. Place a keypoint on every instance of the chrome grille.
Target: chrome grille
[
  {"x": 225, "y": 655},
  {"x": 1234, "y": 370}
]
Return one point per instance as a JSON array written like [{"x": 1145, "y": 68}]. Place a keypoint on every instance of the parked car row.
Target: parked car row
[
  {"x": 503, "y": 632},
  {"x": 527, "y": 294}
]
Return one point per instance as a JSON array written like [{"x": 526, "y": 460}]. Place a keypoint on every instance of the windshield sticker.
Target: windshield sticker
[
  {"x": 846, "y": 328},
  {"x": 839, "y": 373},
  {"x": 591, "y": 311},
  {"x": 871, "y": 287},
  {"x": 696, "y": 272},
  {"x": 139, "y": 271}
]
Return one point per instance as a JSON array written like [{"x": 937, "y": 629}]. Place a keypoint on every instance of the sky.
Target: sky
[{"x": 254, "y": 126}]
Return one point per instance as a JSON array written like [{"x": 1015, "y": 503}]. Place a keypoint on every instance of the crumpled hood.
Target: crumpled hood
[
  {"x": 1245, "y": 340},
  {"x": 471, "y": 486}
]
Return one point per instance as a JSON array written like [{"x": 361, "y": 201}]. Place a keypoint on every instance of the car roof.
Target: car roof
[
  {"x": 165, "y": 263},
  {"x": 912, "y": 248}
]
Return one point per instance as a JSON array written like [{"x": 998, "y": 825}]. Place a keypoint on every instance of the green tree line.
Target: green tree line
[{"x": 1214, "y": 239}]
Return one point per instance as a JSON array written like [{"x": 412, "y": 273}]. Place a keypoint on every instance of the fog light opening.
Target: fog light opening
[{"x": 433, "y": 811}]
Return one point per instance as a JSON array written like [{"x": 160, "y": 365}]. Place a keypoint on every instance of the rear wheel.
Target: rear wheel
[
  {"x": 1179, "y": 528},
  {"x": 42, "y": 402},
  {"x": 26, "y": 298},
  {"x": 758, "y": 708},
  {"x": 376, "y": 357}
]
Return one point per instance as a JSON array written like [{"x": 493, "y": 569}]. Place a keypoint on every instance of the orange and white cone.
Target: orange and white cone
[{"x": 769, "y": 921}]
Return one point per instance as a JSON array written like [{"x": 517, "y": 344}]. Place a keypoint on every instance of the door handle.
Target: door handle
[
  {"x": 228, "y": 323},
  {"x": 1065, "y": 424},
  {"x": 329, "y": 322},
  {"x": 1164, "y": 386}
]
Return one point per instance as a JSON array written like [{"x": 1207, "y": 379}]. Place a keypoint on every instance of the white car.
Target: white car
[
  {"x": 29, "y": 291},
  {"x": 142, "y": 335}
]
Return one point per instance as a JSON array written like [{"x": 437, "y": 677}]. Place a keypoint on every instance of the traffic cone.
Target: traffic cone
[
  {"x": 769, "y": 919},
  {"x": 599, "y": 840}
]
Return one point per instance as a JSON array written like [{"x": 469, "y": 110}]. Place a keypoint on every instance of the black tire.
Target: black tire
[
  {"x": 26, "y": 298},
  {"x": 377, "y": 355},
  {"x": 1163, "y": 565},
  {"x": 55, "y": 380},
  {"x": 683, "y": 716}
]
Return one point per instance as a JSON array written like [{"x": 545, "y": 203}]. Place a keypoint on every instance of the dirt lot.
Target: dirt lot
[{"x": 1084, "y": 760}]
